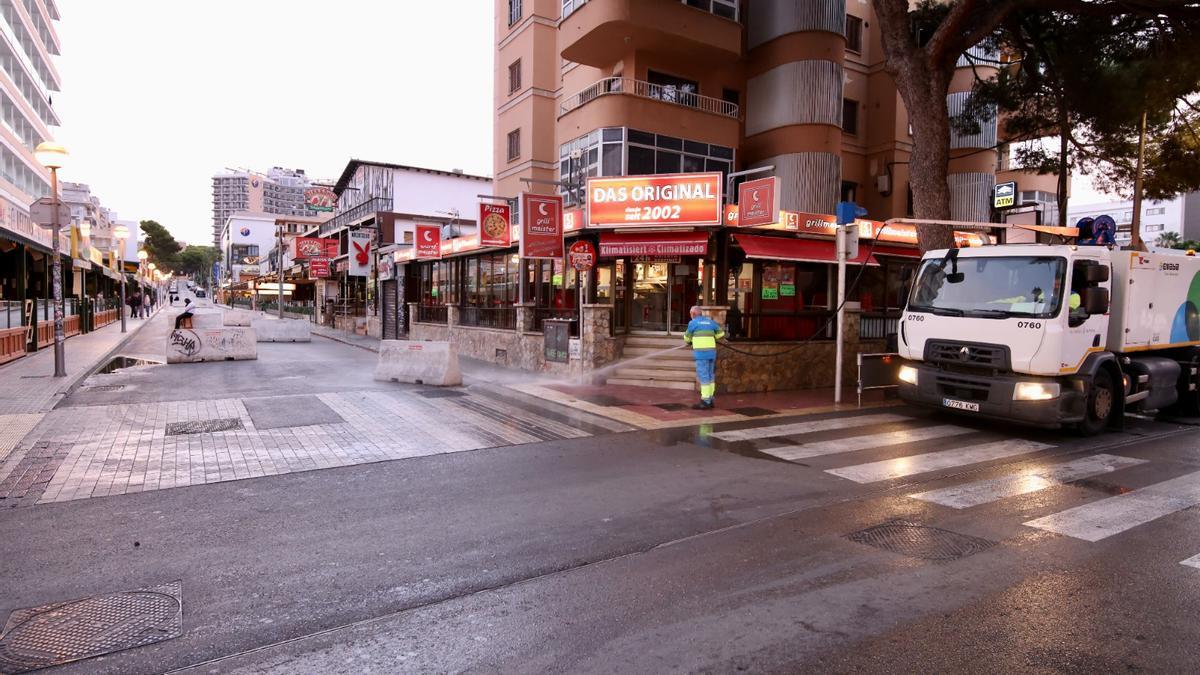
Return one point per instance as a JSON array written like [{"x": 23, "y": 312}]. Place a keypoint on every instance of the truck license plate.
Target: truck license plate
[{"x": 960, "y": 405}]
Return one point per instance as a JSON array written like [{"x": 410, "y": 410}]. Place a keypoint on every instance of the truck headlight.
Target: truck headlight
[
  {"x": 1035, "y": 391},
  {"x": 908, "y": 374}
]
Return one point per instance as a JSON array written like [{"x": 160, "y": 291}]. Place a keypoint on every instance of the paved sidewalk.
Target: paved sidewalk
[{"x": 28, "y": 385}]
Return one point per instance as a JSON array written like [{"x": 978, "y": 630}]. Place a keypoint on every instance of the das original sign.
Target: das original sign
[{"x": 669, "y": 199}]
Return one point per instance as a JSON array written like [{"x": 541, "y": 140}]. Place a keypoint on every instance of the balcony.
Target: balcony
[
  {"x": 601, "y": 32},
  {"x": 624, "y": 102},
  {"x": 656, "y": 92}
]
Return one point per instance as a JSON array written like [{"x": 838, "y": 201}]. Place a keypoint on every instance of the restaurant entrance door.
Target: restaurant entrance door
[{"x": 662, "y": 292}]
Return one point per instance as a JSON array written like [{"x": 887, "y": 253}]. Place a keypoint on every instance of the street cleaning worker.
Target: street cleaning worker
[{"x": 702, "y": 334}]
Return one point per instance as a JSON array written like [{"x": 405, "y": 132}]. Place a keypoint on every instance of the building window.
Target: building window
[
  {"x": 850, "y": 116},
  {"x": 1157, "y": 227},
  {"x": 514, "y": 11},
  {"x": 849, "y": 191},
  {"x": 1156, "y": 212},
  {"x": 514, "y": 144},
  {"x": 854, "y": 27},
  {"x": 514, "y": 76}
]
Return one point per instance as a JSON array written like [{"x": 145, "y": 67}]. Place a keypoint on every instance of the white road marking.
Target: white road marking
[
  {"x": 1193, "y": 561},
  {"x": 810, "y": 427},
  {"x": 1098, "y": 520},
  {"x": 853, "y": 443},
  {"x": 933, "y": 461},
  {"x": 1026, "y": 481}
]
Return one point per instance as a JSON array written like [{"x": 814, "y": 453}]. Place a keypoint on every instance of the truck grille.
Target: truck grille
[
  {"x": 963, "y": 388},
  {"x": 967, "y": 354}
]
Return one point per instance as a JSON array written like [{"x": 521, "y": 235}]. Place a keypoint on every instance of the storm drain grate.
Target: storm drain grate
[
  {"x": 204, "y": 426},
  {"x": 920, "y": 541},
  {"x": 105, "y": 387},
  {"x": 51, "y": 635},
  {"x": 442, "y": 393}
]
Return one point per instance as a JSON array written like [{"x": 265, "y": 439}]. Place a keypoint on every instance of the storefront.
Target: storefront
[{"x": 771, "y": 285}]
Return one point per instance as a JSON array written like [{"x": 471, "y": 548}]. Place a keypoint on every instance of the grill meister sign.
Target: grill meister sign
[
  {"x": 668, "y": 199},
  {"x": 758, "y": 202},
  {"x": 541, "y": 226}
]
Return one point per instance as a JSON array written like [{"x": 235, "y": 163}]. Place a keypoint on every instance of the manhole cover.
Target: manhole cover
[
  {"x": 603, "y": 399},
  {"x": 754, "y": 411},
  {"x": 203, "y": 426},
  {"x": 442, "y": 393},
  {"x": 50, "y": 635},
  {"x": 672, "y": 407},
  {"x": 105, "y": 387},
  {"x": 920, "y": 541}
]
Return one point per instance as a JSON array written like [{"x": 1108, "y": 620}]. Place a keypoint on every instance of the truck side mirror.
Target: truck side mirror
[
  {"x": 1097, "y": 274},
  {"x": 1095, "y": 300}
]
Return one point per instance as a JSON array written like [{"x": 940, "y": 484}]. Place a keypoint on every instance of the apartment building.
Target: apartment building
[
  {"x": 1179, "y": 215},
  {"x": 279, "y": 191},
  {"x": 28, "y": 40},
  {"x": 622, "y": 88}
]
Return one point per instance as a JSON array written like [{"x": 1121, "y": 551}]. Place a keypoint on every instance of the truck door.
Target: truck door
[{"x": 1085, "y": 333}]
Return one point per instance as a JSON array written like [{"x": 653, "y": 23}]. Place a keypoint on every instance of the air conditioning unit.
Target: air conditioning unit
[{"x": 883, "y": 184}]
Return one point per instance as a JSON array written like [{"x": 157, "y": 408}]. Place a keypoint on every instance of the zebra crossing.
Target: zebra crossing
[{"x": 906, "y": 445}]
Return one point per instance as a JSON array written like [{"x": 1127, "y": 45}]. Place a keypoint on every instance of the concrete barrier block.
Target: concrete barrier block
[
  {"x": 211, "y": 344},
  {"x": 200, "y": 319},
  {"x": 239, "y": 317},
  {"x": 433, "y": 363},
  {"x": 282, "y": 330}
]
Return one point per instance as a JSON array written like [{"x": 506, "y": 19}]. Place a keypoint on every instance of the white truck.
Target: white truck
[{"x": 1052, "y": 335}]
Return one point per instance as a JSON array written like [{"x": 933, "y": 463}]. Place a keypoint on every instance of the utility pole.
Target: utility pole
[
  {"x": 847, "y": 244},
  {"x": 279, "y": 264}
]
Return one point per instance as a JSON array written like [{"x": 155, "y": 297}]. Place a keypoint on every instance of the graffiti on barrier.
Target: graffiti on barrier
[
  {"x": 226, "y": 341},
  {"x": 184, "y": 342}
]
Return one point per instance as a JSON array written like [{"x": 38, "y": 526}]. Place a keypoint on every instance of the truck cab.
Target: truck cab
[{"x": 1025, "y": 333}]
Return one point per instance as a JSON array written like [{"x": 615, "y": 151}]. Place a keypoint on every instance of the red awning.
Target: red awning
[
  {"x": 812, "y": 250},
  {"x": 615, "y": 245}
]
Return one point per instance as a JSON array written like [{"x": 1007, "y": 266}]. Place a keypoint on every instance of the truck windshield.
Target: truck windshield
[{"x": 997, "y": 287}]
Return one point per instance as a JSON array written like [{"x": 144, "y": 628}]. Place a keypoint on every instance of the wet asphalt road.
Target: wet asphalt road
[
  {"x": 641, "y": 551},
  {"x": 636, "y": 552}
]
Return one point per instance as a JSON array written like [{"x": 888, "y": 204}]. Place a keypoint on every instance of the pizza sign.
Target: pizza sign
[
  {"x": 582, "y": 255},
  {"x": 320, "y": 198},
  {"x": 495, "y": 225},
  {"x": 314, "y": 247}
]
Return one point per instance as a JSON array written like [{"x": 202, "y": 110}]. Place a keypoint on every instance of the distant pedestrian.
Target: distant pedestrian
[
  {"x": 702, "y": 334},
  {"x": 135, "y": 304}
]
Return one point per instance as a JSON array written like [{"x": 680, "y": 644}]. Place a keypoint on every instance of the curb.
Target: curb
[
  {"x": 63, "y": 394},
  {"x": 346, "y": 342}
]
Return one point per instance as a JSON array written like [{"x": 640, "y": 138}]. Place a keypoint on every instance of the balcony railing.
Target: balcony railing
[
  {"x": 355, "y": 213},
  {"x": 727, "y": 9},
  {"x": 878, "y": 325},
  {"x": 657, "y": 92}
]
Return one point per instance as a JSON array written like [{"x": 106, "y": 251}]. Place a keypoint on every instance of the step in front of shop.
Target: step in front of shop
[{"x": 661, "y": 384}]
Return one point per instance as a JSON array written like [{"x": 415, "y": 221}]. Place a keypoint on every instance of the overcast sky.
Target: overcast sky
[{"x": 159, "y": 94}]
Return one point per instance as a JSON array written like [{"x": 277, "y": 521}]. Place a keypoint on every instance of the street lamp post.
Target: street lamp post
[
  {"x": 54, "y": 156},
  {"x": 121, "y": 233}
]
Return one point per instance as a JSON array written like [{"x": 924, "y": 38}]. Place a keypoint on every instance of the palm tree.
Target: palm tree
[{"x": 1168, "y": 240}]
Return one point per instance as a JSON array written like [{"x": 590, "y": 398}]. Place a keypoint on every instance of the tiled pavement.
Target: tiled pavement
[{"x": 70, "y": 456}]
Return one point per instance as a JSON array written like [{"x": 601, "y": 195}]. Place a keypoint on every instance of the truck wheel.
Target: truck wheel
[{"x": 1101, "y": 402}]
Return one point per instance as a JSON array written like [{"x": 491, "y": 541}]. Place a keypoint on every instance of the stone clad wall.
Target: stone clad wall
[{"x": 809, "y": 366}]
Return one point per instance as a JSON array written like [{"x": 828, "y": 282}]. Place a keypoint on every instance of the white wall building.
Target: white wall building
[
  {"x": 1158, "y": 217},
  {"x": 279, "y": 191},
  {"x": 245, "y": 239}
]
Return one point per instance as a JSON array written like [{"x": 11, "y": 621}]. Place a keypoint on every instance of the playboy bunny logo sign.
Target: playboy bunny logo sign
[
  {"x": 360, "y": 253},
  {"x": 429, "y": 241}
]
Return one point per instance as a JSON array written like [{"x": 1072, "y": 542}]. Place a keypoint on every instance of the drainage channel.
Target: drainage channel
[{"x": 118, "y": 362}]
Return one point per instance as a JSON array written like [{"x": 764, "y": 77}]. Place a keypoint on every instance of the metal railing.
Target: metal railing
[
  {"x": 431, "y": 313},
  {"x": 657, "y": 92},
  {"x": 355, "y": 213},
  {"x": 727, "y": 9},
  {"x": 878, "y": 325},
  {"x": 540, "y": 314},
  {"x": 503, "y": 318}
]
